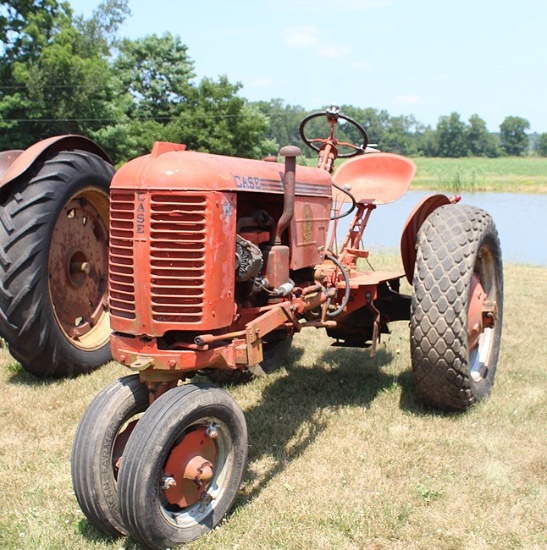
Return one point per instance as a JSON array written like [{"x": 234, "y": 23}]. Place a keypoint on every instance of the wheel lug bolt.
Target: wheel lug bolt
[
  {"x": 168, "y": 482},
  {"x": 212, "y": 432},
  {"x": 84, "y": 267}
]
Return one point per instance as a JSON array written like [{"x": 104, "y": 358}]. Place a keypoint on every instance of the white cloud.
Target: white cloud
[
  {"x": 334, "y": 52},
  {"x": 346, "y": 5},
  {"x": 409, "y": 99},
  {"x": 263, "y": 82},
  {"x": 361, "y": 65},
  {"x": 305, "y": 35}
]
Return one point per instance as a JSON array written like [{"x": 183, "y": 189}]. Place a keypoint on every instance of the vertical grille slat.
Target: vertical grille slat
[
  {"x": 122, "y": 268},
  {"x": 177, "y": 257}
]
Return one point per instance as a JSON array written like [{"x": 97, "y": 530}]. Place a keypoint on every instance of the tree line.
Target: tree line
[{"x": 61, "y": 74}]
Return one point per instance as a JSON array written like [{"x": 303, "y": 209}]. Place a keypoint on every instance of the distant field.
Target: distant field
[{"x": 508, "y": 174}]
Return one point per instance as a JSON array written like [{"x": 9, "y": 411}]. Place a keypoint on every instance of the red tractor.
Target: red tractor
[{"x": 214, "y": 263}]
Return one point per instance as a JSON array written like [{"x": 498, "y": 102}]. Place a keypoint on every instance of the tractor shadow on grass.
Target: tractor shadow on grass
[
  {"x": 295, "y": 408},
  {"x": 20, "y": 377}
]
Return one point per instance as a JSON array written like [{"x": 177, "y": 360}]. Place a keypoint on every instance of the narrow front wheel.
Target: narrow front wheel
[
  {"x": 182, "y": 466},
  {"x": 98, "y": 447}
]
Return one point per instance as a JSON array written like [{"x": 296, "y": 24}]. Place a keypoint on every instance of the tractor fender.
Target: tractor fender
[
  {"x": 413, "y": 223},
  {"x": 15, "y": 163},
  {"x": 7, "y": 158}
]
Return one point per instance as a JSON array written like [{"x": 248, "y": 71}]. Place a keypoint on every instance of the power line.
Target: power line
[{"x": 134, "y": 119}]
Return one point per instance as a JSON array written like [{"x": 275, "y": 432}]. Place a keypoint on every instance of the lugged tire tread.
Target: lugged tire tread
[{"x": 25, "y": 226}]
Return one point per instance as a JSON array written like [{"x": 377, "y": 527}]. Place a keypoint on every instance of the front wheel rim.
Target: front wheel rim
[{"x": 221, "y": 461}]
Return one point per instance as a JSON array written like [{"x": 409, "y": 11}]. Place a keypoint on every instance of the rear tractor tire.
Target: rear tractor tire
[
  {"x": 54, "y": 266},
  {"x": 457, "y": 307}
]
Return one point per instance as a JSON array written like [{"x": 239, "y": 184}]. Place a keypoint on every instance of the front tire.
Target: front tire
[
  {"x": 98, "y": 447},
  {"x": 182, "y": 466},
  {"x": 457, "y": 307},
  {"x": 54, "y": 266}
]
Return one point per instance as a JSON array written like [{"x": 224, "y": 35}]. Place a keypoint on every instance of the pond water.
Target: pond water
[{"x": 521, "y": 220}]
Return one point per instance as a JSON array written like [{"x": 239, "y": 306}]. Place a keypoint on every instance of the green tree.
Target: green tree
[
  {"x": 374, "y": 121},
  {"x": 26, "y": 26},
  {"x": 56, "y": 79},
  {"x": 401, "y": 135},
  {"x": 427, "y": 143},
  {"x": 156, "y": 71},
  {"x": 513, "y": 138},
  {"x": 151, "y": 82},
  {"x": 283, "y": 121},
  {"x": 480, "y": 141},
  {"x": 101, "y": 30},
  {"x": 217, "y": 120},
  {"x": 451, "y": 136},
  {"x": 542, "y": 145},
  {"x": 159, "y": 101}
]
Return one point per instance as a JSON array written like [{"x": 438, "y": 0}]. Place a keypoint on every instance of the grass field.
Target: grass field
[
  {"x": 504, "y": 174},
  {"x": 342, "y": 455},
  {"x": 507, "y": 174}
]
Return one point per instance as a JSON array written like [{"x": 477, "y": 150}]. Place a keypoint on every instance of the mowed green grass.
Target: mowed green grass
[{"x": 342, "y": 455}]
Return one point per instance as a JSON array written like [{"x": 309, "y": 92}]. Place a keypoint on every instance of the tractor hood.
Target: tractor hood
[{"x": 167, "y": 169}]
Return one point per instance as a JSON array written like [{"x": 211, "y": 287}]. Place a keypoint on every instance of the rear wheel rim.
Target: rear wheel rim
[
  {"x": 78, "y": 269},
  {"x": 485, "y": 291}
]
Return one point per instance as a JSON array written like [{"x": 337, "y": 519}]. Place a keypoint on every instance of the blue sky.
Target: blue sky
[{"x": 422, "y": 57}]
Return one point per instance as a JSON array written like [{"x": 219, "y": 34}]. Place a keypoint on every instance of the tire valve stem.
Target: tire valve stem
[{"x": 168, "y": 482}]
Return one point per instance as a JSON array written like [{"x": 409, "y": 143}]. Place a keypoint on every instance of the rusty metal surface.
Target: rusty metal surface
[
  {"x": 412, "y": 225},
  {"x": 78, "y": 265},
  {"x": 172, "y": 261},
  {"x": 174, "y": 217},
  {"x": 290, "y": 153},
  {"x": 7, "y": 158},
  {"x": 26, "y": 159},
  {"x": 190, "y": 466},
  {"x": 475, "y": 311},
  {"x": 192, "y": 170}
]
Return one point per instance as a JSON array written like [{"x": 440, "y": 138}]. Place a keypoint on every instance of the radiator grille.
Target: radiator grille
[
  {"x": 177, "y": 257},
  {"x": 166, "y": 233},
  {"x": 121, "y": 268}
]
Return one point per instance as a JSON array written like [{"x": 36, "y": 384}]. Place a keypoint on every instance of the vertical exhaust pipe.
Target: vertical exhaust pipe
[
  {"x": 278, "y": 256},
  {"x": 290, "y": 152}
]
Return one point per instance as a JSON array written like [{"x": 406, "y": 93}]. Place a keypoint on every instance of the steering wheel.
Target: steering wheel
[{"x": 333, "y": 115}]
